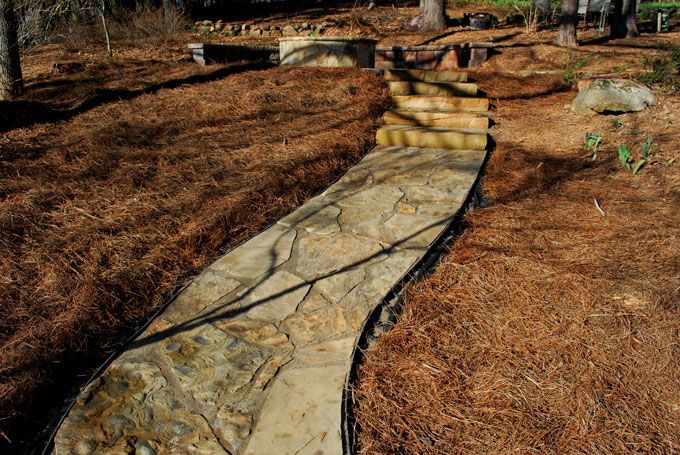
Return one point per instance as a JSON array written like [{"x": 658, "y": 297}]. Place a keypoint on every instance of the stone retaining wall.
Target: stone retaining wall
[
  {"x": 205, "y": 53},
  {"x": 437, "y": 57}
]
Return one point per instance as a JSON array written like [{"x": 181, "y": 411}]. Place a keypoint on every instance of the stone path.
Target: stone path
[{"x": 253, "y": 356}]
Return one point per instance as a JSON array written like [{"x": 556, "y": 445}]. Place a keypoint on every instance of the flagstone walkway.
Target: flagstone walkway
[{"x": 253, "y": 356}]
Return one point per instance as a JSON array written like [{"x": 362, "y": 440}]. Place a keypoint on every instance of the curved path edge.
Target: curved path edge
[{"x": 253, "y": 356}]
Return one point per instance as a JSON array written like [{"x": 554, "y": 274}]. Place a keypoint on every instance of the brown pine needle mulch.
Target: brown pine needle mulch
[
  {"x": 102, "y": 213},
  {"x": 548, "y": 327}
]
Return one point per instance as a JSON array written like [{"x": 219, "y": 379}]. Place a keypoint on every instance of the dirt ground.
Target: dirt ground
[
  {"x": 142, "y": 173},
  {"x": 550, "y": 325}
]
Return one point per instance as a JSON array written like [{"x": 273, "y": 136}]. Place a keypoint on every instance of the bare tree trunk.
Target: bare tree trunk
[
  {"x": 623, "y": 23},
  {"x": 11, "y": 82},
  {"x": 433, "y": 15},
  {"x": 106, "y": 28},
  {"x": 567, "y": 34}
]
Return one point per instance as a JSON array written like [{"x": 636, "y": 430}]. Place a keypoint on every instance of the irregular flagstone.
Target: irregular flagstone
[
  {"x": 207, "y": 288},
  {"x": 260, "y": 254},
  {"x": 321, "y": 255},
  {"x": 252, "y": 357},
  {"x": 276, "y": 297},
  {"x": 305, "y": 418},
  {"x": 318, "y": 216}
]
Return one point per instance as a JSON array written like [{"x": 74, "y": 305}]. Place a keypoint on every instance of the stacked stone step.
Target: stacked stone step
[{"x": 434, "y": 109}]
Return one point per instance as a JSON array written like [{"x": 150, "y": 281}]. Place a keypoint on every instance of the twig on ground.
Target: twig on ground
[{"x": 597, "y": 206}]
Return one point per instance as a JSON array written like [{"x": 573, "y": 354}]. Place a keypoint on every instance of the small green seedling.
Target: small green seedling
[
  {"x": 592, "y": 144},
  {"x": 617, "y": 123},
  {"x": 645, "y": 155},
  {"x": 624, "y": 156}
]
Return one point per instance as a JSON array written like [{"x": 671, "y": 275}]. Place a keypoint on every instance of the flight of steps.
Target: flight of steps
[{"x": 434, "y": 109}]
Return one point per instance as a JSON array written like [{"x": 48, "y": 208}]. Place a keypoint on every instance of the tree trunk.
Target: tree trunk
[
  {"x": 623, "y": 22},
  {"x": 106, "y": 28},
  {"x": 433, "y": 16},
  {"x": 567, "y": 34},
  {"x": 168, "y": 5},
  {"x": 10, "y": 67}
]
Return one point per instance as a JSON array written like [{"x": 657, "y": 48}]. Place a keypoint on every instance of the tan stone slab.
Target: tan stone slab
[
  {"x": 442, "y": 103},
  {"x": 329, "y": 352},
  {"x": 432, "y": 137},
  {"x": 207, "y": 288},
  {"x": 276, "y": 297},
  {"x": 440, "y": 119},
  {"x": 318, "y": 216},
  {"x": 262, "y": 253},
  {"x": 432, "y": 88},
  {"x": 424, "y": 75},
  {"x": 302, "y": 414},
  {"x": 319, "y": 256}
]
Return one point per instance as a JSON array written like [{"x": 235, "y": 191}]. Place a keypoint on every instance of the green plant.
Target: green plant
[
  {"x": 617, "y": 123},
  {"x": 571, "y": 72},
  {"x": 626, "y": 158},
  {"x": 592, "y": 144},
  {"x": 645, "y": 155},
  {"x": 662, "y": 70},
  {"x": 621, "y": 68}
]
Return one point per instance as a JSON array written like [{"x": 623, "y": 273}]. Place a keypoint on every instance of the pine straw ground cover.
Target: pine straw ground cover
[
  {"x": 102, "y": 213},
  {"x": 547, "y": 327}
]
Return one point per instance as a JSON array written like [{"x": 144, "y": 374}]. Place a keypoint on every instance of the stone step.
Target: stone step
[
  {"x": 436, "y": 118},
  {"x": 432, "y": 88},
  {"x": 424, "y": 75},
  {"x": 432, "y": 137},
  {"x": 441, "y": 103}
]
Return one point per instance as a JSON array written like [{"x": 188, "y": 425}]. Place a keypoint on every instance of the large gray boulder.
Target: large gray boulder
[{"x": 612, "y": 95}]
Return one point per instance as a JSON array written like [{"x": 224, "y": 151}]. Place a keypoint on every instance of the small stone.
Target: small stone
[
  {"x": 142, "y": 448},
  {"x": 84, "y": 447},
  {"x": 173, "y": 347},
  {"x": 120, "y": 422},
  {"x": 233, "y": 426},
  {"x": 179, "y": 428},
  {"x": 289, "y": 30}
]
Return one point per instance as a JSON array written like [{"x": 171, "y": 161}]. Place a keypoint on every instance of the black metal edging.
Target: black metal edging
[{"x": 392, "y": 304}]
